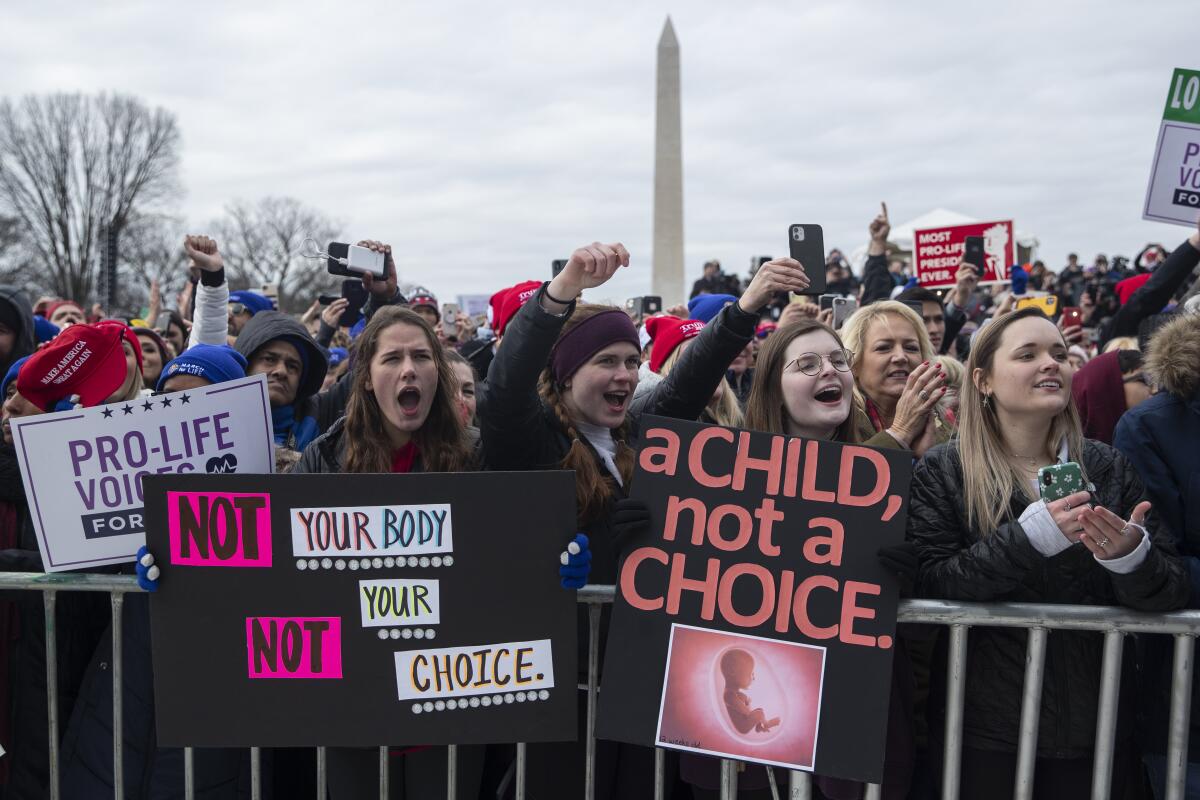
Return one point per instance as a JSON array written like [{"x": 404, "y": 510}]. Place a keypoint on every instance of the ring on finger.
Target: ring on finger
[
  {"x": 1067, "y": 505},
  {"x": 1104, "y": 542},
  {"x": 923, "y": 394}
]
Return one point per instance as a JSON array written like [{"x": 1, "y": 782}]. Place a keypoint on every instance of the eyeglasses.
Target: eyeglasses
[
  {"x": 810, "y": 363},
  {"x": 237, "y": 308},
  {"x": 1138, "y": 378}
]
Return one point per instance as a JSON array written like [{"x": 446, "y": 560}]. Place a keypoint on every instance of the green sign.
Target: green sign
[{"x": 1183, "y": 99}]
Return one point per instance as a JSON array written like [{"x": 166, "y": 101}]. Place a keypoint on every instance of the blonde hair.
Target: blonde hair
[
  {"x": 854, "y": 334},
  {"x": 1121, "y": 343},
  {"x": 724, "y": 409},
  {"x": 989, "y": 479}
]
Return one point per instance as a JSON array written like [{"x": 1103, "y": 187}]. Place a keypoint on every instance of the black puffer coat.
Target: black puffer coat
[{"x": 958, "y": 563}]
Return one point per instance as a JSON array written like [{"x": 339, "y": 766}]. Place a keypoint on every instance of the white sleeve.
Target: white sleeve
[
  {"x": 210, "y": 320},
  {"x": 1042, "y": 531},
  {"x": 1131, "y": 560}
]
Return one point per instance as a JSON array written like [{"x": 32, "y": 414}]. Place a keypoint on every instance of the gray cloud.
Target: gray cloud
[{"x": 483, "y": 142}]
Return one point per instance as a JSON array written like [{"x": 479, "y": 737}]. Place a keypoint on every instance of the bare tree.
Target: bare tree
[
  {"x": 72, "y": 166},
  {"x": 151, "y": 253},
  {"x": 262, "y": 242}
]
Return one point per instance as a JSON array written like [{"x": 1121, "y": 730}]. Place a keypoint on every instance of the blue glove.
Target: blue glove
[
  {"x": 576, "y": 563},
  {"x": 147, "y": 572}
]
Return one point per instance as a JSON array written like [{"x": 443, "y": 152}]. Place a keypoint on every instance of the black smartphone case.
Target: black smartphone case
[
  {"x": 354, "y": 292},
  {"x": 335, "y": 251},
  {"x": 806, "y": 244},
  {"x": 973, "y": 254}
]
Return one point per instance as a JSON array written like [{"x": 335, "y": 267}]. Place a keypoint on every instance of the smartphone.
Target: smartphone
[
  {"x": 843, "y": 307},
  {"x": 826, "y": 301},
  {"x": 973, "y": 254},
  {"x": 356, "y": 298},
  {"x": 450, "y": 320},
  {"x": 359, "y": 260},
  {"x": 651, "y": 304},
  {"x": 916, "y": 306},
  {"x": 806, "y": 244},
  {"x": 326, "y": 299},
  {"x": 557, "y": 266},
  {"x": 1072, "y": 315},
  {"x": 1059, "y": 481}
]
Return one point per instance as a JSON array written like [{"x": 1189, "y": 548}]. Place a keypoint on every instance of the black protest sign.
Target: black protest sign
[
  {"x": 362, "y": 610},
  {"x": 754, "y": 621}
]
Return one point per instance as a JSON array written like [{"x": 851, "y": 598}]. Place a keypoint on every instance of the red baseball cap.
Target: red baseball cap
[
  {"x": 1127, "y": 287},
  {"x": 507, "y": 302},
  {"x": 667, "y": 333},
  {"x": 84, "y": 360}
]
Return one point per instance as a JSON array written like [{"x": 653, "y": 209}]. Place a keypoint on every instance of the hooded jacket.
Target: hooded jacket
[
  {"x": 313, "y": 413},
  {"x": 1160, "y": 436},
  {"x": 22, "y": 310},
  {"x": 960, "y": 562},
  {"x": 1099, "y": 392}
]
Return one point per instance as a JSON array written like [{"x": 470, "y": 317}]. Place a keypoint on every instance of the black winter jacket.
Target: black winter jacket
[
  {"x": 520, "y": 432},
  {"x": 326, "y": 453},
  {"x": 958, "y": 563}
]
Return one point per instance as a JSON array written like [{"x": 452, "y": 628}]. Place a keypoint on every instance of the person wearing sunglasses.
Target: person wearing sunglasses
[{"x": 242, "y": 308}]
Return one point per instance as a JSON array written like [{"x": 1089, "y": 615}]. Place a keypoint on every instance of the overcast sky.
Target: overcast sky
[{"x": 483, "y": 140}]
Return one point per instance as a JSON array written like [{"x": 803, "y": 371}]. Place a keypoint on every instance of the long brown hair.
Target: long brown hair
[
  {"x": 989, "y": 479},
  {"x": 765, "y": 410},
  {"x": 442, "y": 439},
  {"x": 593, "y": 491}
]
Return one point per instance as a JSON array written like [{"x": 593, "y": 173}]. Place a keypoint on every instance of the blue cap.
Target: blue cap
[
  {"x": 11, "y": 376},
  {"x": 1020, "y": 279},
  {"x": 706, "y": 306},
  {"x": 337, "y": 355},
  {"x": 43, "y": 329},
  {"x": 358, "y": 328},
  {"x": 216, "y": 363},
  {"x": 253, "y": 301}
]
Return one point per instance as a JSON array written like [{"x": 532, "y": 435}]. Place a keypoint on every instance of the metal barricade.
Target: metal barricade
[{"x": 1039, "y": 619}]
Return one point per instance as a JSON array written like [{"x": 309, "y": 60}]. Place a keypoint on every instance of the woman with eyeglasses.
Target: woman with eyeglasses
[{"x": 803, "y": 386}]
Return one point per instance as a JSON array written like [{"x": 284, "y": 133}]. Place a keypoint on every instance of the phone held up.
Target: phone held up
[
  {"x": 974, "y": 255},
  {"x": 450, "y": 320},
  {"x": 843, "y": 307},
  {"x": 350, "y": 260},
  {"x": 557, "y": 266},
  {"x": 806, "y": 244},
  {"x": 1072, "y": 316},
  {"x": 1059, "y": 481}
]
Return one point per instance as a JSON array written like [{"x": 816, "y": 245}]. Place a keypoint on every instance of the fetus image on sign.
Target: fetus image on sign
[{"x": 737, "y": 670}]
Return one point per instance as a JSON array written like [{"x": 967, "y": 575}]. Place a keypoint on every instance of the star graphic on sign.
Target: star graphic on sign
[
  {"x": 184, "y": 399},
  {"x": 166, "y": 402},
  {"x": 127, "y": 409},
  {"x": 108, "y": 412},
  {"x": 148, "y": 405}
]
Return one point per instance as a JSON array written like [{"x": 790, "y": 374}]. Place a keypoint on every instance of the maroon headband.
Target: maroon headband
[{"x": 588, "y": 338}]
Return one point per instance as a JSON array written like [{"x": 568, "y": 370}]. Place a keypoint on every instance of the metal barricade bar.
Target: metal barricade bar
[
  {"x": 1039, "y": 618},
  {"x": 1031, "y": 707}
]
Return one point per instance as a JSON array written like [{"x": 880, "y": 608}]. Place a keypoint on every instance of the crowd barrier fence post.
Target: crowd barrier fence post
[{"x": 1031, "y": 707}]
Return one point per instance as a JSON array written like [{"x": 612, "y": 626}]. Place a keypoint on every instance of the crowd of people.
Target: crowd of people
[{"x": 983, "y": 390}]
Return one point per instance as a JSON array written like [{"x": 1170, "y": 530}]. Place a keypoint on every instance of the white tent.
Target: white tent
[{"x": 902, "y": 235}]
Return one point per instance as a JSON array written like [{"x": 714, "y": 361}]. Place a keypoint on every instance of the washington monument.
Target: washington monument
[{"x": 667, "y": 280}]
